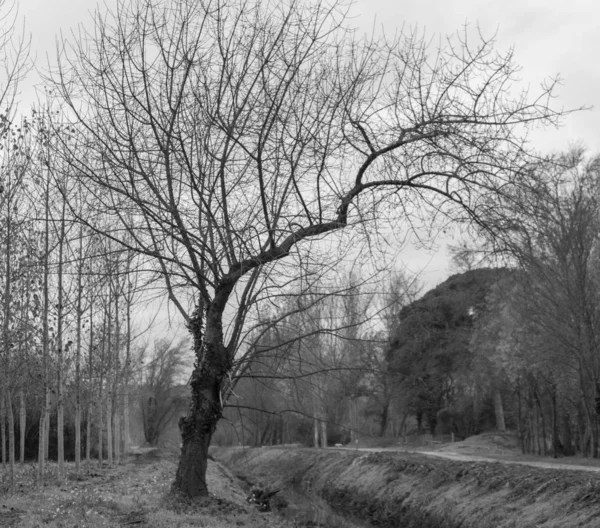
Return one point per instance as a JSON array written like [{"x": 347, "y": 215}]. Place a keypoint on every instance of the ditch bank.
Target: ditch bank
[{"x": 409, "y": 490}]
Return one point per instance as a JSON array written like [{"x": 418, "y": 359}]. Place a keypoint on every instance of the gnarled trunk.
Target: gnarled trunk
[{"x": 198, "y": 426}]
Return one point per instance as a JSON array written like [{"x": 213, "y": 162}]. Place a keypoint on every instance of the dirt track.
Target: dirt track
[
  {"x": 466, "y": 457},
  {"x": 451, "y": 455}
]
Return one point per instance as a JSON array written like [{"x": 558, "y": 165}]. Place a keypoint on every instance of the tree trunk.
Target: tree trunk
[
  {"x": 126, "y": 421},
  {"x": 60, "y": 343},
  {"x": 88, "y": 434},
  {"x": 78, "y": 357},
  {"x": 77, "y": 436},
  {"x": 499, "y": 410},
  {"x": 100, "y": 391},
  {"x": 324, "y": 434},
  {"x": 384, "y": 418},
  {"x": 3, "y": 425},
  {"x": 109, "y": 381},
  {"x": 43, "y": 435},
  {"x": 556, "y": 448},
  {"x": 198, "y": 426},
  {"x": 60, "y": 429},
  {"x": 23, "y": 424},
  {"x": 11, "y": 439},
  {"x": 4, "y": 379},
  {"x": 567, "y": 434},
  {"x": 116, "y": 390},
  {"x": 520, "y": 420},
  {"x": 353, "y": 410},
  {"x": 44, "y": 418},
  {"x": 109, "y": 430},
  {"x": 543, "y": 420},
  {"x": 100, "y": 432},
  {"x": 47, "y": 431},
  {"x": 117, "y": 435},
  {"x": 127, "y": 371}
]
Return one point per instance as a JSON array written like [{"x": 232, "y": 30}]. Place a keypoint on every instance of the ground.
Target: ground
[
  {"x": 439, "y": 489},
  {"x": 134, "y": 493},
  {"x": 491, "y": 446}
]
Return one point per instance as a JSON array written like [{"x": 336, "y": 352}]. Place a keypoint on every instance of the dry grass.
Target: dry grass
[
  {"x": 135, "y": 493},
  {"x": 411, "y": 490}
]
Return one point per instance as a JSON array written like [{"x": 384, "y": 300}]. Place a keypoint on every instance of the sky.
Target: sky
[{"x": 550, "y": 38}]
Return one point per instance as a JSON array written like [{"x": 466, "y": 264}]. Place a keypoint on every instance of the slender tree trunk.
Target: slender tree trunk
[
  {"x": 384, "y": 418},
  {"x": 593, "y": 428},
  {"x": 324, "y": 434},
  {"x": 44, "y": 417},
  {"x": 88, "y": 435},
  {"x": 353, "y": 420},
  {"x": 4, "y": 378},
  {"x": 126, "y": 439},
  {"x": 109, "y": 384},
  {"x": 543, "y": 420},
  {"x": 11, "y": 439},
  {"x": 520, "y": 420},
  {"x": 117, "y": 424},
  {"x": 402, "y": 427},
  {"x": 41, "y": 436},
  {"x": 109, "y": 429},
  {"x": 101, "y": 392},
  {"x": 197, "y": 428},
  {"x": 44, "y": 434},
  {"x": 78, "y": 357},
  {"x": 499, "y": 410},
  {"x": 47, "y": 431},
  {"x": 100, "y": 430},
  {"x": 60, "y": 425},
  {"x": 127, "y": 371},
  {"x": 23, "y": 353},
  {"x": 117, "y": 392},
  {"x": 3, "y": 424},
  {"x": 568, "y": 445},
  {"x": 60, "y": 404},
  {"x": 23, "y": 426},
  {"x": 555, "y": 439}
]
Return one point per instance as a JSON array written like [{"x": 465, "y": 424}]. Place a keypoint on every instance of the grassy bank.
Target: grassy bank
[
  {"x": 134, "y": 493},
  {"x": 410, "y": 490}
]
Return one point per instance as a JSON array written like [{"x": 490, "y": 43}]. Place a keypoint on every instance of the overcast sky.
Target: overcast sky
[{"x": 551, "y": 37}]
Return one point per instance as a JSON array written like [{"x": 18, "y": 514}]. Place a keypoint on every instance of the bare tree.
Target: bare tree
[
  {"x": 224, "y": 136},
  {"x": 14, "y": 64}
]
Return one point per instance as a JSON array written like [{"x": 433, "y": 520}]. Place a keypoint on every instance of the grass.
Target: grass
[
  {"x": 410, "y": 490},
  {"x": 134, "y": 493},
  {"x": 387, "y": 489}
]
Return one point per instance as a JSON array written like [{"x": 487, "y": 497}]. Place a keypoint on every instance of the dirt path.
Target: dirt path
[
  {"x": 467, "y": 457},
  {"x": 451, "y": 455}
]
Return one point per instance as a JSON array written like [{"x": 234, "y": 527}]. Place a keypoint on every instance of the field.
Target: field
[{"x": 134, "y": 493}]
